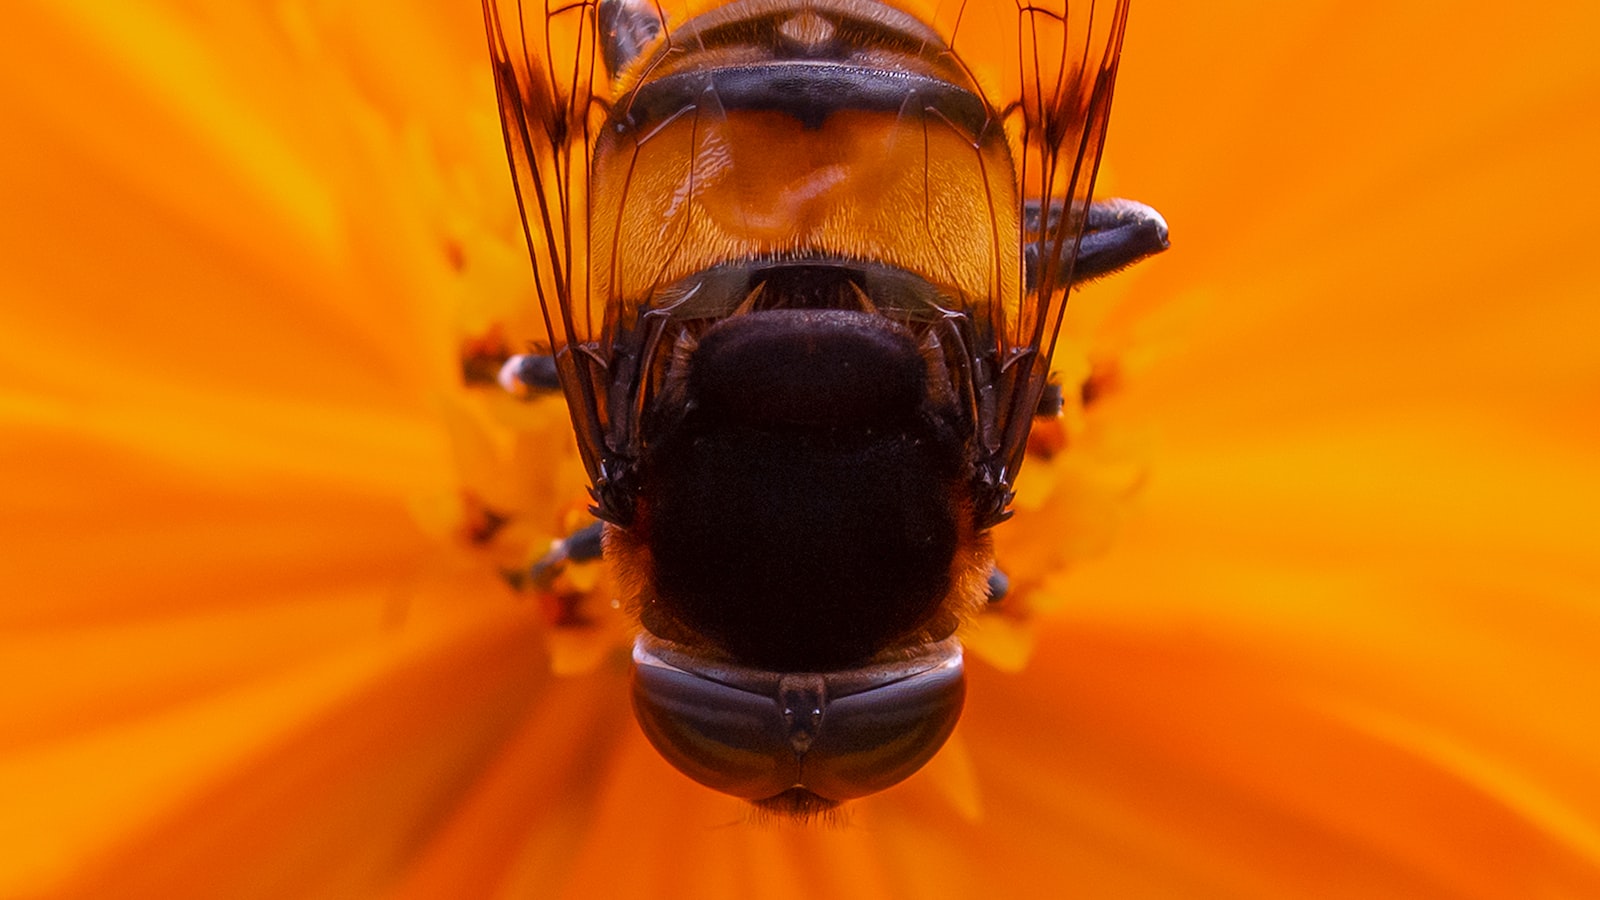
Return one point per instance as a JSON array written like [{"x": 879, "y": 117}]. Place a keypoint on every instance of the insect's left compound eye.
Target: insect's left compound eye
[{"x": 758, "y": 734}]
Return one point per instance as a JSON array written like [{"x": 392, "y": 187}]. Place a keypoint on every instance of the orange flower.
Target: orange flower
[{"x": 255, "y": 641}]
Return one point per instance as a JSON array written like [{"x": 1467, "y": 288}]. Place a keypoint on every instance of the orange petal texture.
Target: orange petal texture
[{"x": 1313, "y": 600}]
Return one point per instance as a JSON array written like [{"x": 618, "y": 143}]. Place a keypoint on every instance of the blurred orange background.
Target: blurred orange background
[{"x": 1311, "y": 602}]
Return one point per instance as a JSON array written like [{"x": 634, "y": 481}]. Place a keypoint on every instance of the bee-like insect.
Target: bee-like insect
[{"x": 802, "y": 264}]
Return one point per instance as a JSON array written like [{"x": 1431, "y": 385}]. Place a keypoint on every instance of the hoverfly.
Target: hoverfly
[{"x": 802, "y": 264}]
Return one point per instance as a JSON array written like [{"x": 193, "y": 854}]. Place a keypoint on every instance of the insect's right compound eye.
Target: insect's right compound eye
[{"x": 835, "y": 735}]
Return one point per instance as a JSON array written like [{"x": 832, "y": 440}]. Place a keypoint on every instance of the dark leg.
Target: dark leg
[
  {"x": 1051, "y": 401},
  {"x": 528, "y": 374},
  {"x": 582, "y": 545},
  {"x": 999, "y": 585},
  {"x": 1117, "y": 234}
]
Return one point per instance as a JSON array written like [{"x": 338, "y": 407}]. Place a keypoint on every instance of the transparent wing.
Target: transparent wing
[
  {"x": 955, "y": 195},
  {"x": 552, "y": 89},
  {"x": 1048, "y": 68}
]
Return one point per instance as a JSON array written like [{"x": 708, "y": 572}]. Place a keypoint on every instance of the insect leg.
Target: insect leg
[
  {"x": 999, "y": 585},
  {"x": 527, "y": 374},
  {"x": 1051, "y": 401},
  {"x": 580, "y": 546},
  {"x": 1116, "y": 234}
]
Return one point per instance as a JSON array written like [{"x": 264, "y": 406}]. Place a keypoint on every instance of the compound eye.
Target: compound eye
[
  {"x": 835, "y": 735},
  {"x": 727, "y": 738}
]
